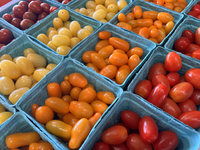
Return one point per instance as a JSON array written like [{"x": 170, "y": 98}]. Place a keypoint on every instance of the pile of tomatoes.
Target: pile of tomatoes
[
  {"x": 195, "y": 11},
  {"x": 136, "y": 133},
  {"x": 72, "y": 109},
  {"x": 6, "y": 36},
  {"x": 189, "y": 43},
  {"x": 175, "y": 94},
  {"x": 27, "y": 14}
]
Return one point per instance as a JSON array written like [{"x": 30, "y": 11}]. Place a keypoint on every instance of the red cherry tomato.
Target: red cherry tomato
[
  {"x": 6, "y": 36},
  {"x": 171, "y": 107},
  {"x": 148, "y": 130},
  {"x": 197, "y": 36},
  {"x": 192, "y": 13},
  {"x": 189, "y": 34},
  {"x": 114, "y": 135},
  {"x": 130, "y": 119},
  {"x": 134, "y": 142},
  {"x": 191, "y": 118},
  {"x": 35, "y": 7},
  {"x": 23, "y": 4},
  {"x": 196, "y": 54},
  {"x": 157, "y": 68},
  {"x": 187, "y": 105},
  {"x": 173, "y": 62},
  {"x": 143, "y": 88},
  {"x": 193, "y": 76},
  {"x": 119, "y": 147},
  {"x": 122, "y": 124},
  {"x": 173, "y": 78},
  {"x": 45, "y": 7},
  {"x": 167, "y": 140},
  {"x": 158, "y": 95},
  {"x": 16, "y": 22},
  {"x": 181, "y": 44},
  {"x": 160, "y": 79},
  {"x": 195, "y": 97},
  {"x": 7, "y": 17},
  {"x": 101, "y": 146},
  {"x": 52, "y": 9},
  {"x": 192, "y": 47},
  {"x": 196, "y": 8},
  {"x": 18, "y": 11}
]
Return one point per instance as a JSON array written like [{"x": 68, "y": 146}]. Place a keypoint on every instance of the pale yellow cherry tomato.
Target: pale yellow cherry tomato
[
  {"x": 108, "y": 2},
  {"x": 99, "y": 14},
  {"x": 66, "y": 32},
  {"x": 23, "y": 81},
  {"x": 17, "y": 94},
  {"x": 50, "y": 66},
  {"x": 74, "y": 41},
  {"x": 25, "y": 65},
  {"x": 5, "y": 57},
  {"x": 43, "y": 38},
  {"x": 49, "y": 30},
  {"x": 90, "y": 5},
  {"x": 52, "y": 46},
  {"x": 100, "y": 2},
  {"x": 66, "y": 24},
  {"x": 112, "y": 8},
  {"x": 37, "y": 60},
  {"x": 27, "y": 51},
  {"x": 110, "y": 15},
  {"x": 63, "y": 14},
  {"x": 83, "y": 33},
  {"x": 7, "y": 85},
  {"x": 90, "y": 28},
  {"x": 121, "y": 4},
  {"x": 52, "y": 33},
  {"x": 57, "y": 23},
  {"x": 4, "y": 116},
  {"x": 83, "y": 11},
  {"x": 2, "y": 109},
  {"x": 74, "y": 27},
  {"x": 40, "y": 73},
  {"x": 63, "y": 50},
  {"x": 61, "y": 40}
]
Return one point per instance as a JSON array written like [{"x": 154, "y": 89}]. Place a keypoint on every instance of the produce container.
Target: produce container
[
  {"x": 7, "y": 108},
  {"x": 19, "y": 123},
  {"x": 67, "y": 67},
  {"x": 17, "y": 47},
  {"x": 146, "y": 6},
  {"x": 159, "y": 55},
  {"x": 132, "y": 39},
  {"x": 9, "y": 11},
  {"x": 189, "y": 7},
  {"x": 188, "y": 138},
  {"x": 74, "y": 16}
]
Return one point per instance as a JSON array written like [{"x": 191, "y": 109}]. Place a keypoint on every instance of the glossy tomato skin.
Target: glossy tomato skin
[
  {"x": 18, "y": 11},
  {"x": 30, "y": 15},
  {"x": 101, "y": 146},
  {"x": 193, "y": 76},
  {"x": 196, "y": 54},
  {"x": 197, "y": 36},
  {"x": 196, "y": 9},
  {"x": 7, "y": 17},
  {"x": 192, "y": 13},
  {"x": 190, "y": 35},
  {"x": 191, "y": 48},
  {"x": 173, "y": 62},
  {"x": 187, "y": 105},
  {"x": 160, "y": 79},
  {"x": 35, "y": 7},
  {"x": 52, "y": 9},
  {"x": 114, "y": 135},
  {"x": 26, "y": 23},
  {"x": 143, "y": 88},
  {"x": 45, "y": 7},
  {"x": 16, "y": 22},
  {"x": 181, "y": 44},
  {"x": 173, "y": 78},
  {"x": 6, "y": 36},
  {"x": 191, "y": 118},
  {"x": 135, "y": 142},
  {"x": 158, "y": 95},
  {"x": 167, "y": 140},
  {"x": 181, "y": 92},
  {"x": 130, "y": 119},
  {"x": 119, "y": 147},
  {"x": 171, "y": 107},
  {"x": 195, "y": 97},
  {"x": 148, "y": 129},
  {"x": 157, "y": 68},
  {"x": 23, "y": 4}
]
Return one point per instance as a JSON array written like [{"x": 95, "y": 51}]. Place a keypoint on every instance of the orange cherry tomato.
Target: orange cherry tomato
[
  {"x": 169, "y": 26},
  {"x": 133, "y": 23},
  {"x": 98, "y": 60},
  {"x": 40, "y": 146},
  {"x": 44, "y": 114},
  {"x": 158, "y": 24},
  {"x": 160, "y": 2},
  {"x": 91, "y": 65},
  {"x": 77, "y": 79},
  {"x": 87, "y": 95},
  {"x": 101, "y": 44},
  {"x": 133, "y": 61},
  {"x": 106, "y": 51},
  {"x": 104, "y": 35},
  {"x": 70, "y": 119},
  {"x": 58, "y": 105},
  {"x": 144, "y": 22},
  {"x": 137, "y": 11},
  {"x": 81, "y": 109},
  {"x": 130, "y": 16},
  {"x": 136, "y": 30},
  {"x": 119, "y": 43},
  {"x": 122, "y": 74},
  {"x": 86, "y": 57},
  {"x": 99, "y": 106},
  {"x": 169, "y": 6},
  {"x": 21, "y": 139},
  {"x": 153, "y": 40},
  {"x": 94, "y": 119},
  {"x": 178, "y": 9},
  {"x": 152, "y": 27},
  {"x": 124, "y": 25},
  {"x": 118, "y": 59},
  {"x": 89, "y": 85},
  {"x": 66, "y": 78},
  {"x": 67, "y": 98},
  {"x": 165, "y": 17},
  {"x": 109, "y": 71},
  {"x": 74, "y": 93},
  {"x": 106, "y": 96},
  {"x": 144, "y": 32},
  {"x": 118, "y": 51},
  {"x": 154, "y": 33},
  {"x": 121, "y": 17},
  {"x": 178, "y": 4},
  {"x": 150, "y": 15},
  {"x": 65, "y": 87},
  {"x": 162, "y": 35},
  {"x": 135, "y": 50},
  {"x": 182, "y": 1},
  {"x": 34, "y": 107},
  {"x": 54, "y": 90}
]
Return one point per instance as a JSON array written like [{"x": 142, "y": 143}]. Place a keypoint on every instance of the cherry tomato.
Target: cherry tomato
[
  {"x": 197, "y": 36},
  {"x": 167, "y": 140},
  {"x": 130, "y": 119},
  {"x": 30, "y": 15},
  {"x": 143, "y": 88},
  {"x": 7, "y": 17},
  {"x": 44, "y": 114},
  {"x": 101, "y": 146},
  {"x": 160, "y": 79},
  {"x": 158, "y": 95},
  {"x": 181, "y": 44},
  {"x": 118, "y": 43},
  {"x": 148, "y": 129},
  {"x": 173, "y": 78},
  {"x": 65, "y": 87},
  {"x": 193, "y": 76},
  {"x": 54, "y": 89},
  {"x": 45, "y": 7},
  {"x": 196, "y": 8},
  {"x": 114, "y": 135},
  {"x": 26, "y": 23},
  {"x": 34, "y": 107},
  {"x": 135, "y": 142},
  {"x": 192, "y": 13},
  {"x": 196, "y": 54},
  {"x": 187, "y": 105},
  {"x": 190, "y": 35},
  {"x": 121, "y": 146},
  {"x": 35, "y": 7},
  {"x": 23, "y": 4},
  {"x": 77, "y": 79},
  {"x": 42, "y": 145},
  {"x": 157, "y": 68},
  {"x": 171, "y": 107},
  {"x": 52, "y": 9},
  {"x": 6, "y": 36},
  {"x": 195, "y": 97},
  {"x": 191, "y": 118},
  {"x": 16, "y": 22},
  {"x": 104, "y": 35},
  {"x": 18, "y": 11},
  {"x": 42, "y": 15}
]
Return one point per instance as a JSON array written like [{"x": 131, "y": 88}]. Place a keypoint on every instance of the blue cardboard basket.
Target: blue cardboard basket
[
  {"x": 17, "y": 47},
  {"x": 9, "y": 11},
  {"x": 7, "y": 108},
  {"x": 189, "y": 7},
  {"x": 19, "y": 123},
  {"x": 67, "y": 67},
  {"x": 146, "y": 6},
  {"x": 132, "y": 39},
  {"x": 189, "y": 23},
  {"x": 74, "y": 16},
  {"x": 82, "y": 4},
  {"x": 157, "y": 56},
  {"x": 188, "y": 139}
]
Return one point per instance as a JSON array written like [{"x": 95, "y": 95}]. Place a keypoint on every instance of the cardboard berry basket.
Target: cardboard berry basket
[
  {"x": 132, "y": 39},
  {"x": 9, "y": 11},
  {"x": 189, "y": 7},
  {"x": 40, "y": 94},
  {"x": 17, "y": 47},
  {"x": 7, "y": 108},
  {"x": 146, "y": 6},
  {"x": 188, "y": 139},
  {"x": 19, "y": 123},
  {"x": 74, "y": 16},
  {"x": 188, "y": 23},
  {"x": 157, "y": 56}
]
